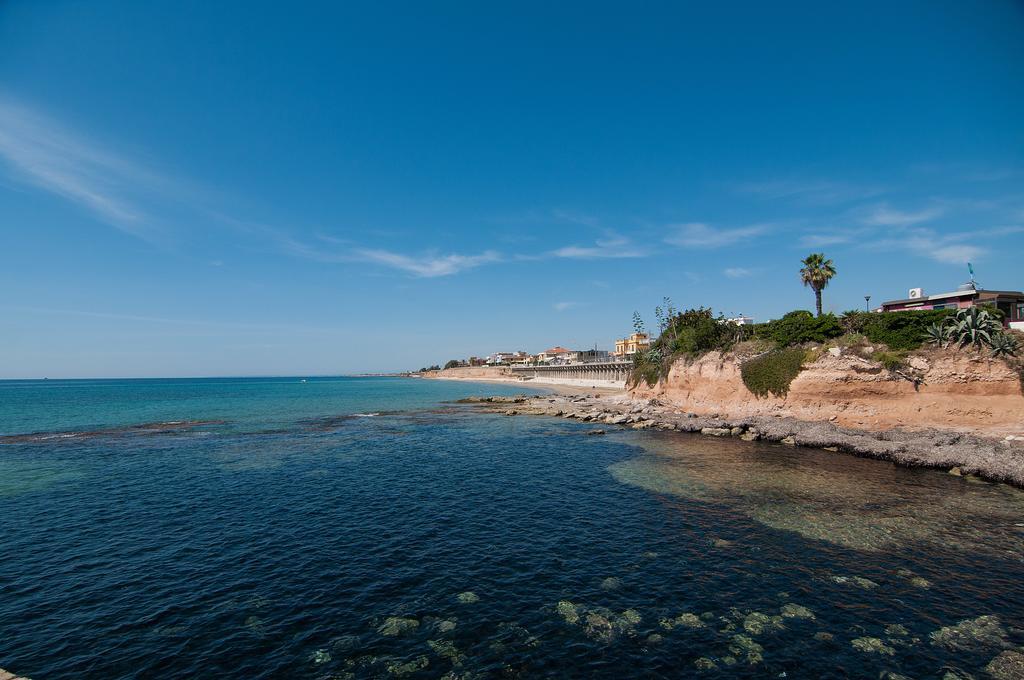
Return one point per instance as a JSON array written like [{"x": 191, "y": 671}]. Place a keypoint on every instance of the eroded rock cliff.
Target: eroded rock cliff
[{"x": 956, "y": 390}]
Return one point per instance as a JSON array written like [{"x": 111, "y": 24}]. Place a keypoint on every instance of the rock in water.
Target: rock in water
[
  {"x": 970, "y": 634},
  {"x": 397, "y": 625},
  {"x": 468, "y": 597},
  {"x": 568, "y": 611},
  {"x": 1007, "y": 666},
  {"x": 870, "y": 644},
  {"x": 795, "y": 611}
]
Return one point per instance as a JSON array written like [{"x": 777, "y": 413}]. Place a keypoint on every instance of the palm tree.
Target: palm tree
[{"x": 816, "y": 273}]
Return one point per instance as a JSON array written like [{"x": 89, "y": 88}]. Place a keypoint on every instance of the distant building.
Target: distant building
[
  {"x": 505, "y": 358},
  {"x": 476, "y": 361},
  {"x": 1010, "y": 302},
  {"x": 587, "y": 356},
  {"x": 741, "y": 320},
  {"x": 627, "y": 347},
  {"x": 553, "y": 355}
]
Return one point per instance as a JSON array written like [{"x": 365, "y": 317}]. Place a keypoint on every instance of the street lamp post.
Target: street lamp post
[{"x": 867, "y": 299}]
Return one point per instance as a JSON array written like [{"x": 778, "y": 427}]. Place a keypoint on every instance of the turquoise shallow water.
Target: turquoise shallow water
[{"x": 370, "y": 527}]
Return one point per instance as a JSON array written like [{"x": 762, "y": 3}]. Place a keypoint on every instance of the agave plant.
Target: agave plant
[
  {"x": 974, "y": 326},
  {"x": 937, "y": 334},
  {"x": 1003, "y": 345}
]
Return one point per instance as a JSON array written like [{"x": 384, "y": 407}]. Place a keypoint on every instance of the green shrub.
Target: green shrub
[
  {"x": 896, "y": 330},
  {"x": 772, "y": 373},
  {"x": 892, "y": 361},
  {"x": 799, "y": 327},
  {"x": 645, "y": 370}
]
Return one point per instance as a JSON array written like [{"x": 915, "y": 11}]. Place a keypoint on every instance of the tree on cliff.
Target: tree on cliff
[
  {"x": 816, "y": 273},
  {"x": 453, "y": 363}
]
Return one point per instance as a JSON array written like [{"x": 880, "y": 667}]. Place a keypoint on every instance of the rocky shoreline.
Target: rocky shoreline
[{"x": 997, "y": 460}]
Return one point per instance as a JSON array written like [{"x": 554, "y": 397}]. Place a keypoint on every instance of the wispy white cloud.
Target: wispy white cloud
[
  {"x": 810, "y": 191},
  {"x": 823, "y": 239},
  {"x": 426, "y": 266},
  {"x": 884, "y": 216},
  {"x": 40, "y": 151},
  {"x": 700, "y": 235},
  {"x": 737, "y": 272},
  {"x": 562, "y": 306},
  {"x": 949, "y": 248},
  {"x": 614, "y": 246}
]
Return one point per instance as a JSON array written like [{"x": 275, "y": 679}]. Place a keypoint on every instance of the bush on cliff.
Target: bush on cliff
[
  {"x": 799, "y": 327},
  {"x": 696, "y": 332},
  {"x": 773, "y": 372},
  {"x": 896, "y": 330}
]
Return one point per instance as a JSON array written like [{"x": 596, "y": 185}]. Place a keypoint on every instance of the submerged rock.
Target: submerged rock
[
  {"x": 859, "y": 581},
  {"x": 1009, "y": 665},
  {"x": 446, "y": 649},
  {"x": 746, "y": 647},
  {"x": 397, "y": 625},
  {"x": 611, "y": 583},
  {"x": 914, "y": 579},
  {"x": 320, "y": 656},
  {"x": 255, "y": 625},
  {"x": 568, "y": 611},
  {"x": 686, "y": 620},
  {"x": 631, "y": 617},
  {"x": 598, "y": 627},
  {"x": 417, "y": 664},
  {"x": 468, "y": 597},
  {"x": 823, "y": 636},
  {"x": 970, "y": 634},
  {"x": 705, "y": 664},
  {"x": 756, "y": 623},
  {"x": 872, "y": 645},
  {"x": 795, "y": 611},
  {"x": 446, "y": 625},
  {"x": 896, "y": 630}
]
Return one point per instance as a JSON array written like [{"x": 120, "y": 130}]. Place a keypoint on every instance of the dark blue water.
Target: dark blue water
[{"x": 273, "y": 528}]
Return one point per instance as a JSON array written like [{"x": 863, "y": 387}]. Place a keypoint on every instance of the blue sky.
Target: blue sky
[{"x": 196, "y": 188}]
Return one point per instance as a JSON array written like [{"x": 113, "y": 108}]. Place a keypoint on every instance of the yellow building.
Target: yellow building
[{"x": 627, "y": 347}]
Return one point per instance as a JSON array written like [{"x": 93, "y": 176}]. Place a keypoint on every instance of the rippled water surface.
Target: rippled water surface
[{"x": 371, "y": 528}]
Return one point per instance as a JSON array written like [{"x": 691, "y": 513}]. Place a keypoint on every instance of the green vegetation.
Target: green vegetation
[
  {"x": 800, "y": 337},
  {"x": 799, "y": 327},
  {"x": 453, "y": 363},
  {"x": 974, "y": 326},
  {"x": 691, "y": 333},
  {"x": 816, "y": 273},
  {"x": 892, "y": 361},
  {"x": 1003, "y": 345},
  {"x": 896, "y": 330},
  {"x": 773, "y": 372}
]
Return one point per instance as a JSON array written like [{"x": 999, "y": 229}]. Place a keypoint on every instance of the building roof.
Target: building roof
[
  {"x": 557, "y": 350},
  {"x": 960, "y": 293}
]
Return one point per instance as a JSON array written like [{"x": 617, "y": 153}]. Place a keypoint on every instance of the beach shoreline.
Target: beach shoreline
[
  {"x": 561, "y": 386},
  {"x": 961, "y": 454}
]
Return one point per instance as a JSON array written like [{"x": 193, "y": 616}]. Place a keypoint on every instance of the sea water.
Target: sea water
[{"x": 374, "y": 527}]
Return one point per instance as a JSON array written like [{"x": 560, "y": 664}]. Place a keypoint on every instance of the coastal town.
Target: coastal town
[{"x": 1008, "y": 303}]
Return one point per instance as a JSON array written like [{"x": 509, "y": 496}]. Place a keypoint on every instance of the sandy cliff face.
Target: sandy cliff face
[{"x": 961, "y": 391}]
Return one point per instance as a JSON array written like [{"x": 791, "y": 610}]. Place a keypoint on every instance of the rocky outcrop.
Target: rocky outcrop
[
  {"x": 1000, "y": 460},
  {"x": 961, "y": 391}
]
